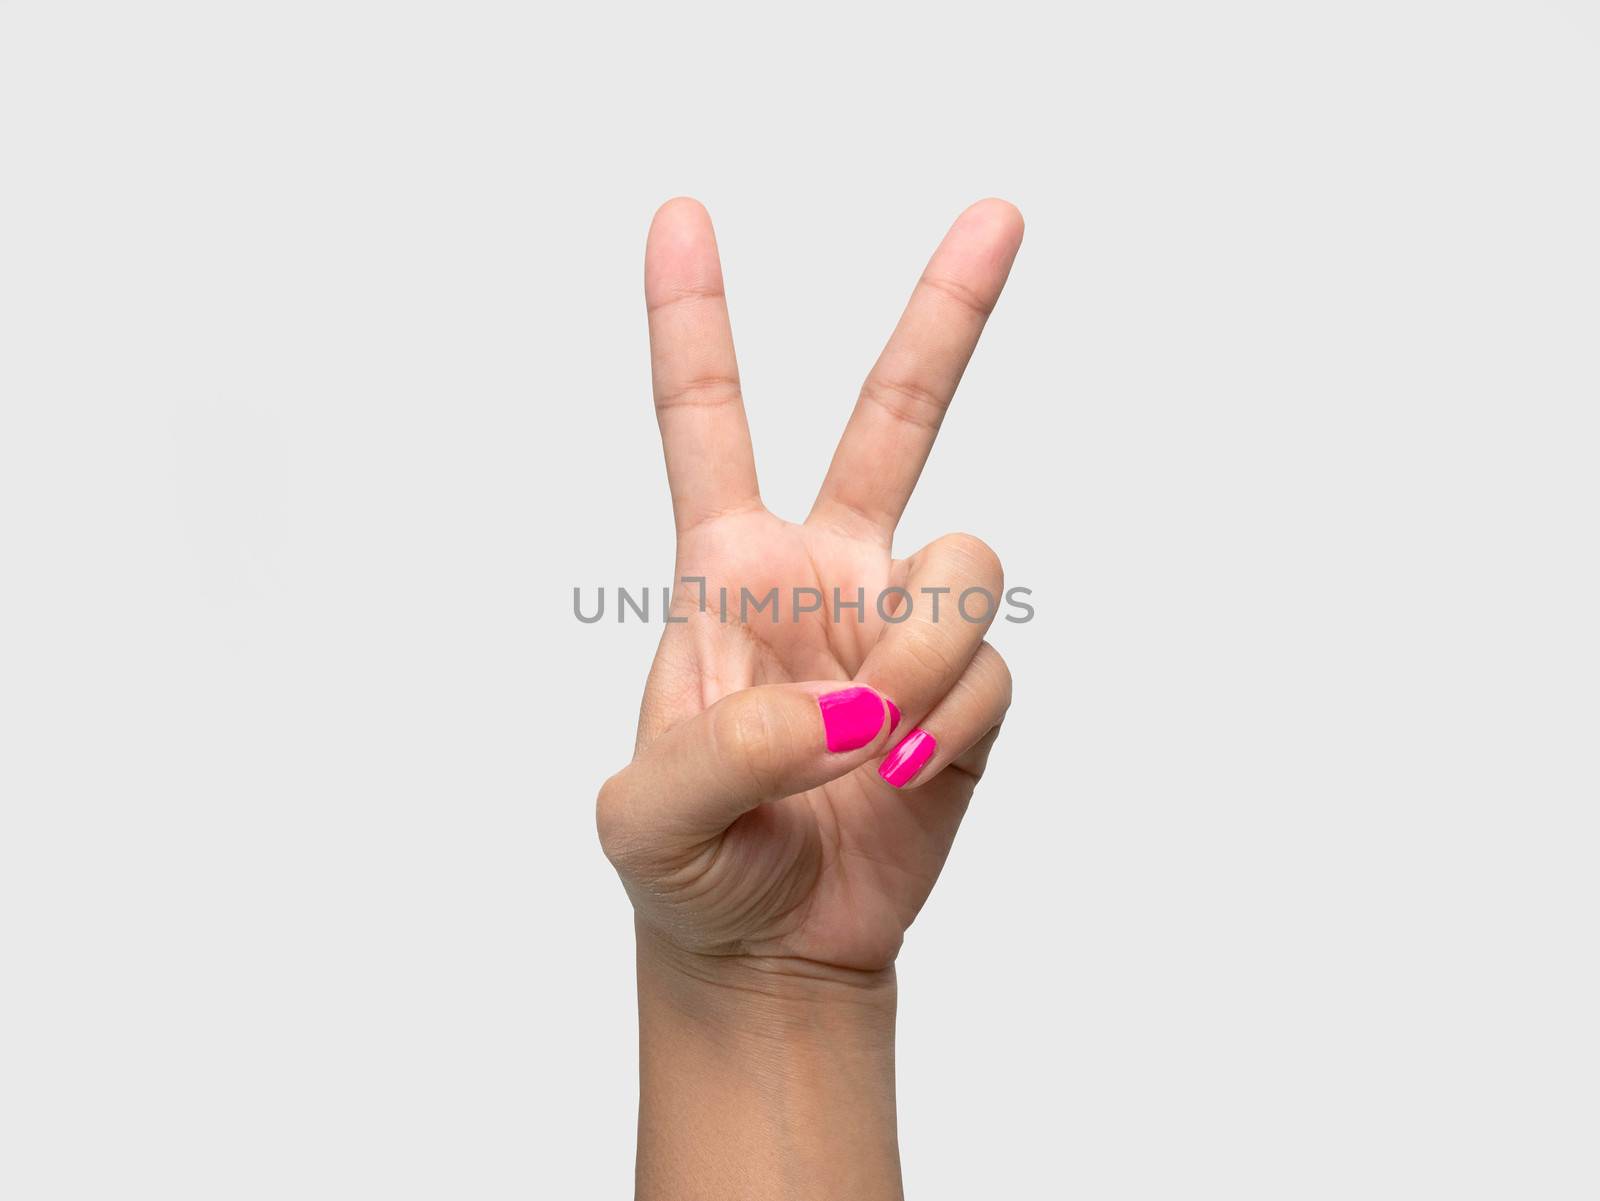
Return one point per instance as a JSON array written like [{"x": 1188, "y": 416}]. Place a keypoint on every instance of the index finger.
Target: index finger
[{"x": 711, "y": 467}]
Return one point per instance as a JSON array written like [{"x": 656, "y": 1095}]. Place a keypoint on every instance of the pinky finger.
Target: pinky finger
[{"x": 960, "y": 728}]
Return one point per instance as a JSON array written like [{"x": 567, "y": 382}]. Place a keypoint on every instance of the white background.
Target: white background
[{"x": 324, "y": 381}]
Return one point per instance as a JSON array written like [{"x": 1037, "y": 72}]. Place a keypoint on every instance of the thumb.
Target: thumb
[{"x": 753, "y": 745}]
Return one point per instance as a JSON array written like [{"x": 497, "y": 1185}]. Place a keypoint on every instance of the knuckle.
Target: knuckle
[
  {"x": 963, "y": 294},
  {"x": 706, "y": 391},
  {"x": 984, "y": 688},
  {"x": 974, "y": 560},
  {"x": 999, "y": 672},
  {"x": 905, "y": 399},
  {"x": 688, "y": 295}
]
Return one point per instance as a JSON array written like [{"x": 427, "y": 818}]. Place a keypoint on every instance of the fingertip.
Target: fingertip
[
  {"x": 1002, "y": 226},
  {"x": 1001, "y": 215},
  {"x": 680, "y": 254},
  {"x": 678, "y": 210},
  {"x": 981, "y": 246}
]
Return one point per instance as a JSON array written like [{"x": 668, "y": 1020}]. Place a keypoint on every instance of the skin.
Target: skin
[{"x": 772, "y": 879}]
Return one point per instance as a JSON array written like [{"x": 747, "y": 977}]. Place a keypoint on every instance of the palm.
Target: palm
[{"x": 835, "y": 874}]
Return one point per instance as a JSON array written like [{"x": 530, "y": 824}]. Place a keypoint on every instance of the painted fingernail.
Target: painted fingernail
[
  {"x": 894, "y": 714},
  {"x": 851, "y": 718},
  {"x": 907, "y": 758}
]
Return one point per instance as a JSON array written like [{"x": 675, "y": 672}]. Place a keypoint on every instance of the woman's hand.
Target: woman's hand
[{"x": 799, "y": 776}]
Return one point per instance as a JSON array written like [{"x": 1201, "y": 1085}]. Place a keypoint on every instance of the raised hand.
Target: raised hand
[
  {"x": 736, "y": 829},
  {"x": 798, "y": 782}
]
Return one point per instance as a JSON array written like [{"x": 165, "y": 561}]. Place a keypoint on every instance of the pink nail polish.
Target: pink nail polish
[
  {"x": 907, "y": 758},
  {"x": 894, "y": 714},
  {"x": 851, "y": 718}
]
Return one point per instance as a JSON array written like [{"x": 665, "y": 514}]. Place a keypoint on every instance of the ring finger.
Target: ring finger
[{"x": 959, "y": 730}]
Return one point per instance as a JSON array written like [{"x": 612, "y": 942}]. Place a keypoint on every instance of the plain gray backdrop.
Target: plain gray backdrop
[{"x": 324, "y": 381}]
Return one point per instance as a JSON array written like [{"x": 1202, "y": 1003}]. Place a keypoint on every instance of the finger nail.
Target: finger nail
[
  {"x": 907, "y": 758},
  {"x": 894, "y": 714},
  {"x": 851, "y": 718}
]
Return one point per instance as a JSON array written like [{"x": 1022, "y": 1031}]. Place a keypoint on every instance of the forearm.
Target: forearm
[{"x": 760, "y": 1082}]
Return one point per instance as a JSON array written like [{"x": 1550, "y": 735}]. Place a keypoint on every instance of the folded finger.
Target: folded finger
[
  {"x": 953, "y": 587},
  {"x": 960, "y": 728}
]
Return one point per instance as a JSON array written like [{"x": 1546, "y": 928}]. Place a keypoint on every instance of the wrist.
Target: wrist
[
  {"x": 762, "y": 997},
  {"x": 764, "y": 1078}
]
